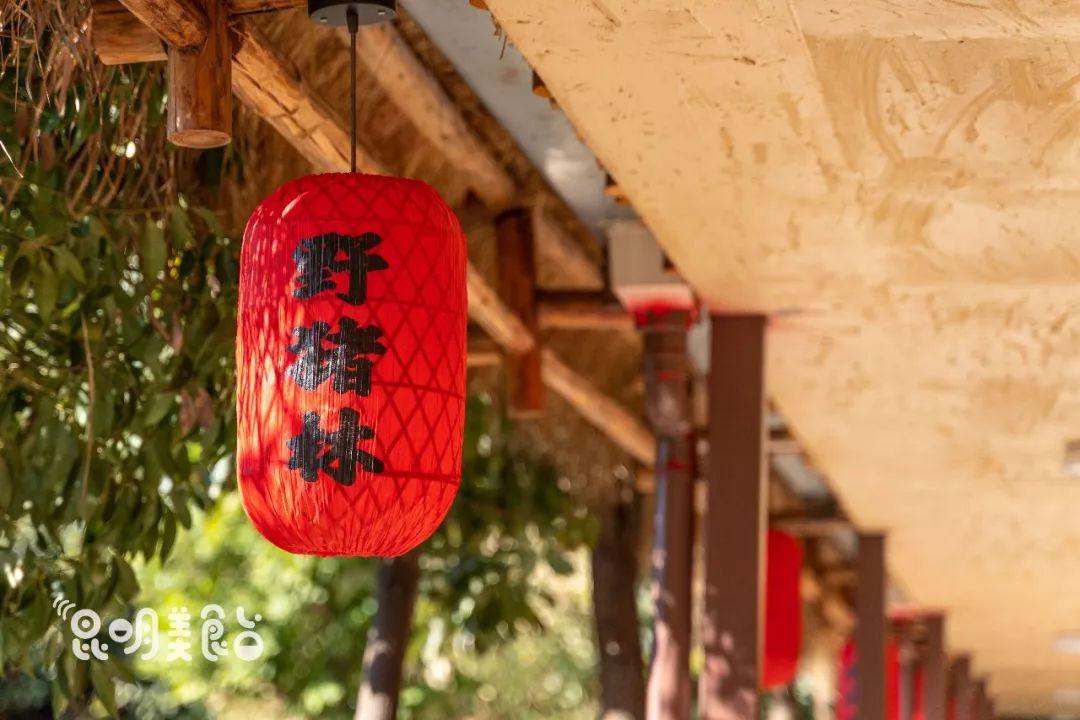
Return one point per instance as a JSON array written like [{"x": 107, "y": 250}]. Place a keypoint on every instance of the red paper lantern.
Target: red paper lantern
[
  {"x": 783, "y": 609},
  {"x": 350, "y": 355}
]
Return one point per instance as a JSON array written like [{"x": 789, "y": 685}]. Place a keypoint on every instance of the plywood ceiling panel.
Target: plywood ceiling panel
[{"x": 899, "y": 184}]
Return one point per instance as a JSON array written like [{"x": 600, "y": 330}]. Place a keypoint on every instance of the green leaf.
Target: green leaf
[
  {"x": 127, "y": 585},
  {"x": 211, "y": 220},
  {"x": 183, "y": 233},
  {"x": 152, "y": 250},
  {"x": 46, "y": 288},
  {"x": 104, "y": 687},
  {"x": 158, "y": 407},
  {"x": 67, "y": 262}
]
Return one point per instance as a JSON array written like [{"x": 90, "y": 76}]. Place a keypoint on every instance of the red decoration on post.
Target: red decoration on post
[
  {"x": 783, "y": 609},
  {"x": 847, "y": 684},
  {"x": 350, "y": 355}
]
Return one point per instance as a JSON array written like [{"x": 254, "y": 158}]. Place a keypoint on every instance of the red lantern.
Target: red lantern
[
  {"x": 350, "y": 355},
  {"x": 783, "y": 609}
]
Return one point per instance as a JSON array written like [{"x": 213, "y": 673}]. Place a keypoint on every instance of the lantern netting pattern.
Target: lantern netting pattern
[{"x": 351, "y": 364}]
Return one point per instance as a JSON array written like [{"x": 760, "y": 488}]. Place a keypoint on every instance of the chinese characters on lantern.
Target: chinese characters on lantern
[{"x": 344, "y": 356}]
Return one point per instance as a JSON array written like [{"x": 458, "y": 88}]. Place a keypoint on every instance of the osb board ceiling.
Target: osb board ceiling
[{"x": 898, "y": 184}]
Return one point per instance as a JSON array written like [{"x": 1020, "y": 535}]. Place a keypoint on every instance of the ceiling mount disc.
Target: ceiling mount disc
[{"x": 334, "y": 12}]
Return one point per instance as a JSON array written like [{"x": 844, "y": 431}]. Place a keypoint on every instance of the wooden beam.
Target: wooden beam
[
  {"x": 199, "y": 80},
  {"x": 483, "y": 352},
  {"x": 934, "y": 689},
  {"x": 489, "y": 312},
  {"x": 270, "y": 85},
  {"x": 418, "y": 95},
  {"x": 870, "y": 626},
  {"x": 517, "y": 290},
  {"x": 572, "y": 314},
  {"x": 622, "y": 428},
  {"x": 733, "y": 535},
  {"x": 119, "y": 37},
  {"x": 180, "y": 23},
  {"x": 242, "y": 7}
]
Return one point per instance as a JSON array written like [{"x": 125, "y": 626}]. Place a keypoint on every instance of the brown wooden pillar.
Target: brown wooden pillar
[
  {"x": 961, "y": 689},
  {"x": 934, "y": 688},
  {"x": 667, "y": 406},
  {"x": 388, "y": 638},
  {"x": 200, "y": 84},
  {"x": 618, "y": 643},
  {"x": 870, "y": 626},
  {"x": 734, "y": 526},
  {"x": 980, "y": 701},
  {"x": 517, "y": 288}
]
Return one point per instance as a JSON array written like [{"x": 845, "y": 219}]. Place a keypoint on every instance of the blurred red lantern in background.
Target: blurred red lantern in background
[
  {"x": 350, "y": 360},
  {"x": 783, "y": 609}
]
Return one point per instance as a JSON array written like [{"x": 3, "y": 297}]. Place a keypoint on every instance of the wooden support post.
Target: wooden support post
[
  {"x": 199, "y": 81},
  {"x": 388, "y": 638},
  {"x": 517, "y": 290},
  {"x": 870, "y": 626},
  {"x": 618, "y": 643},
  {"x": 934, "y": 689},
  {"x": 980, "y": 701},
  {"x": 667, "y": 406},
  {"x": 961, "y": 689},
  {"x": 732, "y": 631}
]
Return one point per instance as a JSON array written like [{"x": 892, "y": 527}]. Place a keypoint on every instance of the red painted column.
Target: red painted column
[
  {"x": 667, "y": 406},
  {"x": 734, "y": 526}
]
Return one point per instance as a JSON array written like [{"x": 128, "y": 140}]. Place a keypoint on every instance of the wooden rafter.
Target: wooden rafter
[
  {"x": 420, "y": 98},
  {"x": 181, "y": 23},
  {"x": 411, "y": 87},
  {"x": 269, "y": 84}
]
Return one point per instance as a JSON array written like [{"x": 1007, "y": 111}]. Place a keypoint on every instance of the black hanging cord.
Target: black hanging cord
[{"x": 353, "y": 21}]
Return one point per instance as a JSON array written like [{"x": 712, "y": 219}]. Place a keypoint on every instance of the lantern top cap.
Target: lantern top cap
[{"x": 335, "y": 12}]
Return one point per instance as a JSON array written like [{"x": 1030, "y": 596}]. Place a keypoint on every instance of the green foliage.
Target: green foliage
[
  {"x": 117, "y": 304},
  {"x": 117, "y": 432},
  {"x": 489, "y": 575}
]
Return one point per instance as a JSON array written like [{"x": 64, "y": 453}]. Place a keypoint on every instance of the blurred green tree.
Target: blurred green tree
[
  {"x": 506, "y": 565},
  {"x": 117, "y": 431},
  {"x": 117, "y": 305}
]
